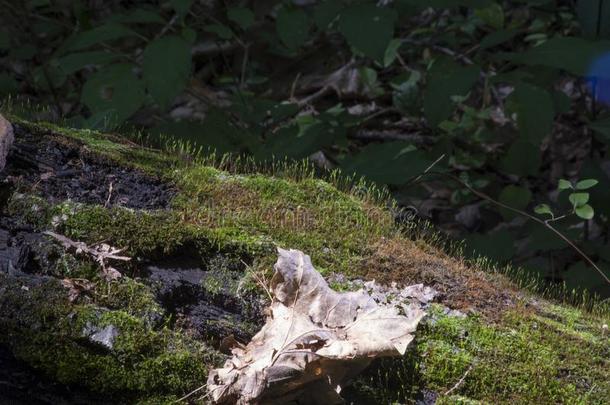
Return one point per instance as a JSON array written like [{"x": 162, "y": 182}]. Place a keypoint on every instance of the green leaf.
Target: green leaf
[
  {"x": 216, "y": 133},
  {"x": 497, "y": 37},
  {"x": 23, "y": 52},
  {"x": 602, "y": 128},
  {"x": 387, "y": 163},
  {"x": 586, "y": 184},
  {"x": 99, "y": 121},
  {"x": 574, "y": 55},
  {"x": 522, "y": 159},
  {"x": 578, "y": 199},
  {"x": 301, "y": 140},
  {"x": 242, "y": 16},
  {"x": 49, "y": 74},
  {"x": 595, "y": 169},
  {"x": 391, "y": 52},
  {"x": 8, "y": 85},
  {"x": 181, "y": 7},
  {"x": 449, "y": 3},
  {"x": 116, "y": 90},
  {"x": 292, "y": 26},
  {"x": 561, "y": 102},
  {"x": 189, "y": 35},
  {"x": 221, "y": 30},
  {"x": 492, "y": 15},
  {"x": 259, "y": 113},
  {"x": 32, "y": 4},
  {"x": 105, "y": 33},
  {"x": 585, "y": 211},
  {"x": 406, "y": 93},
  {"x": 368, "y": 28},
  {"x": 326, "y": 12},
  {"x": 499, "y": 245},
  {"x": 5, "y": 40},
  {"x": 542, "y": 239},
  {"x": 543, "y": 209},
  {"x": 583, "y": 277},
  {"x": 446, "y": 79},
  {"x": 76, "y": 61},
  {"x": 369, "y": 80},
  {"x": 564, "y": 184},
  {"x": 139, "y": 16},
  {"x": 594, "y": 18},
  {"x": 166, "y": 66},
  {"x": 535, "y": 112},
  {"x": 515, "y": 197}
]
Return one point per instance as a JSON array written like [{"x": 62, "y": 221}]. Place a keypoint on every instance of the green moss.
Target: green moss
[
  {"x": 548, "y": 354},
  {"x": 139, "y": 232},
  {"x": 48, "y": 333},
  {"x": 458, "y": 400},
  {"x": 32, "y": 208},
  {"x": 335, "y": 228},
  {"x": 252, "y": 211},
  {"x": 523, "y": 360},
  {"x": 131, "y": 296},
  {"x": 106, "y": 146}
]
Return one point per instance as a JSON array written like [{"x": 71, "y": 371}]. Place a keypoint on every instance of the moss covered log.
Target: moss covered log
[{"x": 201, "y": 233}]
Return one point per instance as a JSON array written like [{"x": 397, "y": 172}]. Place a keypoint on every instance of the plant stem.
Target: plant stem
[{"x": 525, "y": 214}]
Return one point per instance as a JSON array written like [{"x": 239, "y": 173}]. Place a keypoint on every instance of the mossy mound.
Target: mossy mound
[{"x": 201, "y": 234}]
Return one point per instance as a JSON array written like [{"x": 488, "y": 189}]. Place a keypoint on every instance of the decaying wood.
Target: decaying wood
[
  {"x": 6, "y": 140},
  {"x": 314, "y": 341}
]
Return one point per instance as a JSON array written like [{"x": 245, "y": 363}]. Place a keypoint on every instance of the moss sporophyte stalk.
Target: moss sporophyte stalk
[{"x": 200, "y": 256}]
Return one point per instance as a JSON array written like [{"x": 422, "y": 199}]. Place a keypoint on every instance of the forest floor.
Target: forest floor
[{"x": 201, "y": 240}]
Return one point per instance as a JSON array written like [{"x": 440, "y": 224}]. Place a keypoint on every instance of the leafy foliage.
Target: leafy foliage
[
  {"x": 512, "y": 94},
  {"x": 166, "y": 69},
  {"x": 368, "y": 28}
]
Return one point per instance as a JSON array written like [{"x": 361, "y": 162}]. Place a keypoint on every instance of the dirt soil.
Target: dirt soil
[
  {"x": 181, "y": 287},
  {"x": 59, "y": 170}
]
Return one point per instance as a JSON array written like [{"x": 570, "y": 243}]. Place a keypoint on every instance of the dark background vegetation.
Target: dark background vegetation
[{"x": 509, "y": 97}]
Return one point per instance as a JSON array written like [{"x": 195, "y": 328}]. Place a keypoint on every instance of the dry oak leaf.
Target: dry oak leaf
[{"x": 314, "y": 341}]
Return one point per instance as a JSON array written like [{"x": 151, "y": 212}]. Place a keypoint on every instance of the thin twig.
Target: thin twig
[
  {"x": 259, "y": 280},
  {"x": 315, "y": 96},
  {"x": 439, "y": 48},
  {"x": 390, "y": 135},
  {"x": 101, "y": 253},
  {"x": 525, "y": 214},
  {"x": 167, "y": 27},
  {"x": 212, "y": 48},
  {"x": 190, "y": 394},
  {"x": 110, "y": 188},
  {"x": 379, "y": 112},
  {"x": 459, "y": 382},
  {"x": 293, "y": 88},
  {"x": 418, "y": 178}
]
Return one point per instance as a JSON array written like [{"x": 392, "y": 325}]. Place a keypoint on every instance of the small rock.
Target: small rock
[
  {"x": 6, "y": 140},
  {"x": 469, "y": 215},
  {"x": 101, "y": 336},
  {"x": 320, "y": 160}
]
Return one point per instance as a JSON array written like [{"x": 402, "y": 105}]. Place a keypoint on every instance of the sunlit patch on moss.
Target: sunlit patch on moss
[{"x": 521, "y": 360}]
